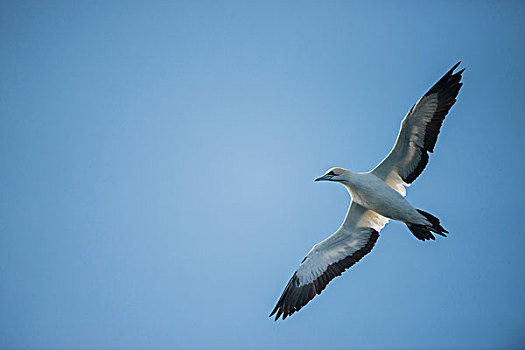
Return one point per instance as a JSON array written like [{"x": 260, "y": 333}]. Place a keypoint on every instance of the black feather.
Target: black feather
[
  {"x": 294, "y": 296},
  {"x": 447, "y": 89}
]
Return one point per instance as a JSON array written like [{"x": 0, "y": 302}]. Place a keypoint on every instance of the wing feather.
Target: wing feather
[
  {"x": 330, "y": 258},
  {"x": 419, "y": 132}
]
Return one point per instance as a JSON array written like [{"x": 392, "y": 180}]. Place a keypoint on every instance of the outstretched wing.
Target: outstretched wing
[
  {"x": 418, "y": 133},
  {"x": 330, "y": 258}
]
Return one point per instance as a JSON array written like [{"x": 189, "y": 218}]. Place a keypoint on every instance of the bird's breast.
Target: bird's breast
[{"x": 372, "y": 193}]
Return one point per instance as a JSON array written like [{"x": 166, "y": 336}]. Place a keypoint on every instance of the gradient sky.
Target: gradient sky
[{"x": 158, "y": 158}]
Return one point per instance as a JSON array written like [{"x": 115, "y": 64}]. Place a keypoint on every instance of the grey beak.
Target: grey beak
[{"x": 324, "y": 178}]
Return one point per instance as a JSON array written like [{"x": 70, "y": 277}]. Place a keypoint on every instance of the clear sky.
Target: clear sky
[{"x": 158, "y": 158}]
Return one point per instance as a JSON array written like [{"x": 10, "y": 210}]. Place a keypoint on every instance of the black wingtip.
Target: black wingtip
[
  {"x": 274, "y": 311},
  {"x": 451, "y": 70},
  {"x": 295, "y": 295},
  {"x": 441, "y": 234}
]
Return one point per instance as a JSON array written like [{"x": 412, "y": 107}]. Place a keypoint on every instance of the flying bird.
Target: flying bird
[{"x": 377, "y": 196}]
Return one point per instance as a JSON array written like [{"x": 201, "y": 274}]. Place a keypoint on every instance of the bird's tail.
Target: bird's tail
[{"x": 424, "y": 232}]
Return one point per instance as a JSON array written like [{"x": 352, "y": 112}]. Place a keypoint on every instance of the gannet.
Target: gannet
[{"x": 376, "y": 197}]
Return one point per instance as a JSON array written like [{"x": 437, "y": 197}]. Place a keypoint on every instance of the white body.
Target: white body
[
  {"x": 377, "y": 196},
  {"x": 373, "y": 193}
]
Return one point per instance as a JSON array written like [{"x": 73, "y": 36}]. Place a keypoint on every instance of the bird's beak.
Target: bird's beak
[{"x": 324, "y": 178}]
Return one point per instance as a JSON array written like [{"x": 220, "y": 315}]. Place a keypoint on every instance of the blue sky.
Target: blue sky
[{"x": 158, "y": 158}]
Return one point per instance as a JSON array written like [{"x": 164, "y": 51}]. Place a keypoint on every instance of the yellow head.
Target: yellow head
[{"x": 334, "y": 174}]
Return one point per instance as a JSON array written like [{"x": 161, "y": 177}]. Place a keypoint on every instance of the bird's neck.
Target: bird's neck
[{"x": 351, "y": 180}]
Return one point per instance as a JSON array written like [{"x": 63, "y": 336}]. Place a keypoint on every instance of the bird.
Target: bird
[{"x": 377, "y": 196}]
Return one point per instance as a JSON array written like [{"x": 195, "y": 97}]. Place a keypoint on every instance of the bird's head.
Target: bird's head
[{"x": 334, "y": 174}]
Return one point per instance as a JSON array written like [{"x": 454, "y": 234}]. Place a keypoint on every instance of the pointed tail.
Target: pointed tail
[{"x": 424, "y": 232}]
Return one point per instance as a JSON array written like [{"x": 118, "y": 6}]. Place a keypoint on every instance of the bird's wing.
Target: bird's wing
[
  {"x": 418, "y": 133},
  {"x": 330, "y": 258}
]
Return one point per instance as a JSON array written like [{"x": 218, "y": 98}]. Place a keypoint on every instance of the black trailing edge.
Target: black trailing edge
[
  {"x": 295, "y": 296},
  {"x": 447, "y": 89}
]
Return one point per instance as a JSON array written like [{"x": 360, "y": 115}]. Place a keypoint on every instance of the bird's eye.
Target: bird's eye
[{"x": 331, "y": 173}]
